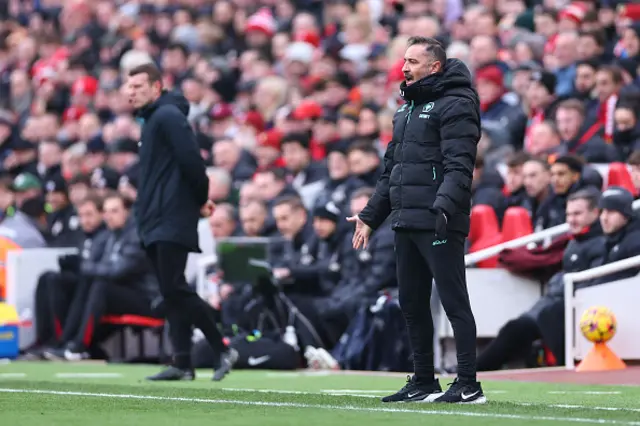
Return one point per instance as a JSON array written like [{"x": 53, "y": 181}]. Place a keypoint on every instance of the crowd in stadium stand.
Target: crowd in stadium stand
[{"x": 292, "y": 102}]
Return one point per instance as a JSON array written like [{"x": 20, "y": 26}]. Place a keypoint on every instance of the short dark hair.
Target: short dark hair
[
  {"x": 573, "y": 104},
  {"x": 362, "y": 192},
  {"x": 279, "y": 174},
  {"x": 293, "y": 201},
  {"x": 300, "y": 138},
  {"x": 591, "y": 196},
  {"x": 93, "y": 198},
  {"x": 126, "y": 203},
  {"x": 614, "y": 71},
  {"x": 151, "y": 70},
  {"x": 432, "y": 46},
  {"x": 540, "y": 161},
  {"x": 518, "y": 159},
  {"x": 363, "y": 146},
  {"x": 229, "y": 209},
  {"x": 597, "y": 35}
]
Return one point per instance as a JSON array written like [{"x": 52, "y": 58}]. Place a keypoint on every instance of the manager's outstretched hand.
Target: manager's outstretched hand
[{"x": 362, "y": 233}]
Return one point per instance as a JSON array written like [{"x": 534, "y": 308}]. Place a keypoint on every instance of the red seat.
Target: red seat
[
  {"x": 484, "y": 232},
  {"x": 516, "y": 223},
  {"x": 133, "y": 321},
  {"x": 484, "y": 222},
  {"x": 138, "y": 324},
  {"x": 619, "y": 176}
]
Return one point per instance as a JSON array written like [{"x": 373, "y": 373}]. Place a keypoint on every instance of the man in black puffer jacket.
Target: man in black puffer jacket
[{"x": 426, "y": 188}]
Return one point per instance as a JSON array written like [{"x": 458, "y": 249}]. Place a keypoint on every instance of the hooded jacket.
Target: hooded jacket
[
  {"x": 173, "y": 185},
  {"x": 428, "y": 165}
]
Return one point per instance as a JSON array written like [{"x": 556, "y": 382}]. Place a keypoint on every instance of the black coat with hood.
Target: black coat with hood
[
  {"x": 428, "y": 165},
  {"x": 173, "y": 183}
]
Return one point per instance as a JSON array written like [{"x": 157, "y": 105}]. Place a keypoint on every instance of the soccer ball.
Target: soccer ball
[{"x": 598, "y": 324}]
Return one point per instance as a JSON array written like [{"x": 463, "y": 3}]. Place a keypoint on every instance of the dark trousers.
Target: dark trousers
[
  {"x": 54, "y": 293},
  {"x": 420, "y": 259},
  {"x": 95, "y": 298},
  {"x": 182, "y": 305},
  {"x": 513, "y": 340}
]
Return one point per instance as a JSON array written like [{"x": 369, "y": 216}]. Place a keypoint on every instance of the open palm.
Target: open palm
[{"x": 361, "y": 234}]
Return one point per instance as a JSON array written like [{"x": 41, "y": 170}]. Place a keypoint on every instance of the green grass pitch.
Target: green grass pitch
[{"x": 51, "y": 394}]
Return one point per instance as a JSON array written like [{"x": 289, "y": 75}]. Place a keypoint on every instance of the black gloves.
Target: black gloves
[{"x": 441, "y": 224}]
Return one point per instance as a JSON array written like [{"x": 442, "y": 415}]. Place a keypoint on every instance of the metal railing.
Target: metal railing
[
  {"x": 569, "y": 287},
  {"x": 489, "y": 252}
]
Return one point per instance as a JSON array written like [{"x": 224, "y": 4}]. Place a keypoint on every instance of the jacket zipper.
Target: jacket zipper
[
  {"x": 435, "y": 176},
  {"x": 411, "y": 105}
]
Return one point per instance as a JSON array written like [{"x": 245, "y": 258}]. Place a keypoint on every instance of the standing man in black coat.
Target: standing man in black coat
[
  {"x": 426, "y": 188},
  {"x": 172, "y": 196}
]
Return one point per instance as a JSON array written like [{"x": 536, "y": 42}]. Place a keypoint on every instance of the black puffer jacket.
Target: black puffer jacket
[{"x": 428, "y": 165}]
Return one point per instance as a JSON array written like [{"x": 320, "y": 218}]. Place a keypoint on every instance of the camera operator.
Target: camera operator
[
  {"x": 120, "y": 282},
  {"x": 55, "y": 290}
]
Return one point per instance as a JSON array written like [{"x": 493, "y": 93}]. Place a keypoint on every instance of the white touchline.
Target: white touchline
[
  {"x": 88, "y": 375},
  {"x": 11, "y": 375},
  {"x": 343, "y": 393},
  {"x": 586, "y": 392},
  {"x": 326, "y": 407}
]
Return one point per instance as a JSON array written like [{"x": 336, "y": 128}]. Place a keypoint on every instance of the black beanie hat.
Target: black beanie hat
[
  {"x": 618, "y": 199},
  {"x": 328, "y": 211},
  {"x": 547, "y": 79}
]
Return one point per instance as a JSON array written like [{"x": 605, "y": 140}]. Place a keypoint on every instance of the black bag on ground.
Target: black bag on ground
[{"x": 264, "y": 352}]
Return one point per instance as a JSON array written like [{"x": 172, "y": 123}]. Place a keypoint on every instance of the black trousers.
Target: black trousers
[
  {"x": 93, "y": 299},
  {"x": 53, "y": 296},
  {"x": 182, "y": 305},
  {"x": 420, "y": 259},
  {"x": 513, "y": 340}
]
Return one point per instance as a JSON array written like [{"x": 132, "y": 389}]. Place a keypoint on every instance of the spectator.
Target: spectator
[
  {"x": 253, "y": 220},
  {"x": 581, "y": 137},
  {"x": 627, "y": 124},
  {"x": 515, "y": 178},
  {"x": 55, "y": 290},
  {"x": 118, "y": 282},
  {"x": 63, "y": 225},
  {"x": 486, "y": 188},
  {"x": 584, "y": 251},
  {"x": 621, "y": 229}
]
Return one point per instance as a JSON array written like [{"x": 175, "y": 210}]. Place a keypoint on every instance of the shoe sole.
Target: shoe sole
[
  {"x": 427, "y": 399},
  {"x": 481, "y": 400},
  {"x": 185, "y": 379}
]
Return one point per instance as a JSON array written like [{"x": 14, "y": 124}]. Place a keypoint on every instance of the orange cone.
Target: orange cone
[{"x": 601, "y": 358}]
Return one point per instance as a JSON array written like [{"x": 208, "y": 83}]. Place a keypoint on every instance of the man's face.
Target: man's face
[
  {"x": 141, "y": 92},
  {"x": 89, "y": 216},
  {"x": 605, "y": 86},
  {"x": 562, "y": 177},
  {"x": 220, "y": 224},
  {"x": 612, "y": 221},
  {"x": 226, "y": 154},
  {"x": 488, "y": 91},
  {"x": 77, "y": 192},
  {"x": 295, "y": 156},
  {"x": 625, "y": 119},
  {"x": 515, "y": 178},
  {"x": 324, "y": 228},
  {"x": 569, "y": 122},
  {"x": 631, "y": 42},
  {"x": 57, "y": 200},
  {"x": 360, "y": 163},
  {"x": 252, "y": 218},
  {"x": 418, "y": 64},
  {"x": 338, "y": 166},
  {"x": 536, "y": 178},
  {"x": 588, "y": 48},
  {"x": 115, "y": 214},
  {"x": 585, "y": 79},
  {"x": 579, "y": 215},
  {"x": 268, "y": 186},
  {"x": 537, "y": 96},
  {"x": 289, "y": 221}
]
